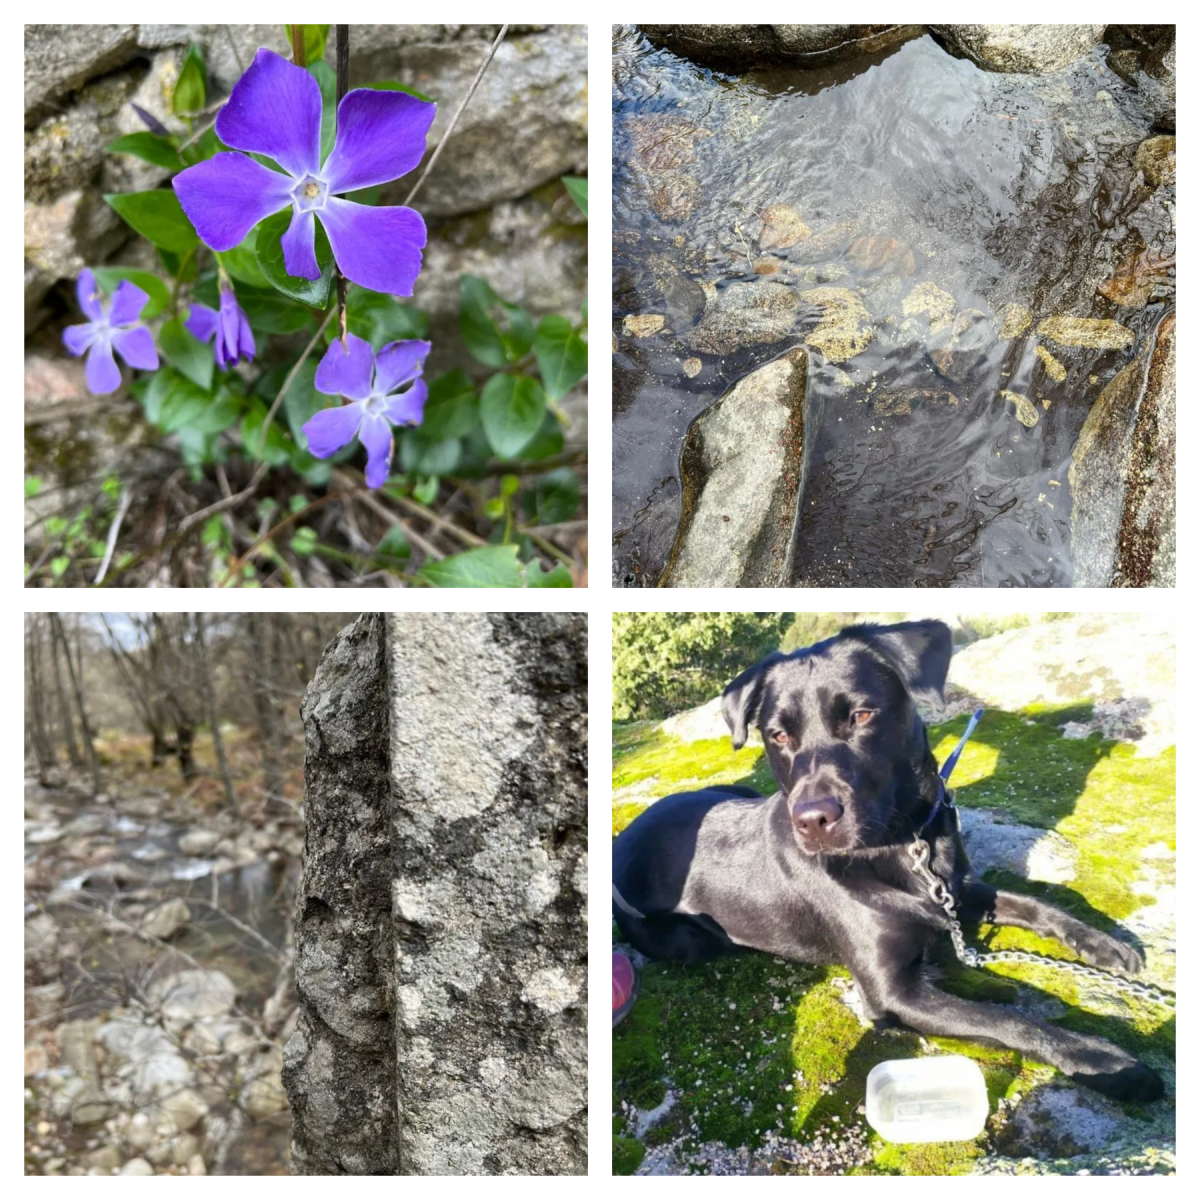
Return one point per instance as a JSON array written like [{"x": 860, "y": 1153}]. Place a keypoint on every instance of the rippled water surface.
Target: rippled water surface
[{"x": 997, "y": 190}]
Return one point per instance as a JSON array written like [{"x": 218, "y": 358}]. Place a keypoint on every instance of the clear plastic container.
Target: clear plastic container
[{"x": 938, "y": 1099}]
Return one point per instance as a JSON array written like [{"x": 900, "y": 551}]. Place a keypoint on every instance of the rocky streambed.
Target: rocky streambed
[
  {"x": 893, "y": 306},
  {"x": 158, "y": 987}
]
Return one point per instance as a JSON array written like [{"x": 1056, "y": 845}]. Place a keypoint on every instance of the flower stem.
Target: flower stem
[
  {"x": 343, "y": 86},
  {"x": 298, "y": 56}
]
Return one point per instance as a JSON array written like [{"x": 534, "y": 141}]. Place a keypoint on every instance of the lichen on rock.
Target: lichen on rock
[{"x": 844, "y": 328}]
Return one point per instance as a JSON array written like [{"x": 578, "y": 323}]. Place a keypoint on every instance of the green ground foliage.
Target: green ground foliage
[{"x": 753, "y": 1046}]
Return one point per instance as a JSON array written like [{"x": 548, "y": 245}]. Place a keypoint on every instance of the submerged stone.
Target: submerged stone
[
  {"x": 844, "y": 328},
  {"x": 1123, "y": 475},
  {"x": 1086, "y": 331},
  {"x": 643, "y": 325},
  {"x": 928, "y": 298},
  {"x": 1012, "y": 320},
  {"x": 969, "y": 339},
  {"x": 685, "y": 300},
  {"x": 746, "y": 45},
  {"x": 1155, "y": 158},
  {"x": 782, "y": 227},
  {"x": 692, "y": 367},
  {"x": 1027, "y": 412},
  {"x": 741, "y": 473},
  {"x": 901, "y": 401},
  {"x": 829, "y": 243},
  {"x": 887, "y": 255},
  {"x": 744, "y": 314},
  {"x": 1022, "y": 48},
  {"x": 1054, "y": 368}
]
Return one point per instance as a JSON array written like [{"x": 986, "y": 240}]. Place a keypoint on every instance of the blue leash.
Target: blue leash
[{"x": 948, "y": 766}]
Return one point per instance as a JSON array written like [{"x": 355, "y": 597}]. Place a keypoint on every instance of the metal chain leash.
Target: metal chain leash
[{"x": 940, "y": 894}]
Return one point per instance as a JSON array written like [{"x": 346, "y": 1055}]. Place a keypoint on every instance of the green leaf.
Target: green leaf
[
  {"x": 204, "y": 147},
  {"x": 150, "y": 147},
  {"x": 426, "y": 489},
  {"x": 548, "y": 440},
  {"x": 379, "y": 319},
  {"x": 302, "y": 400},
  {"x": 556, "y": 497},
  {"x": 426, "y": 456},
  {"x": 213, "y": 533},
  {"x": 196, "y": 447},
  {"x": 489, "y": 566},
  {"x": 33, "y": 485},
  {"x": 59, "y": 565},
  {"x": 158, "y": 217},
  {"x": 161, "y": 383},
  {"x": 496, "y": 333},
  {"x": 221, "y": 412},
  {"x": 561, "y": 355},
  {"x": 270, "y": 312},
  {"x": 183, "y": 405},
  {"x": 511, "y": 409},
  {"x": 452, "y": 409},
  {"x": 557, "y": 578},
  {"x": 577, "y": 186},
  {"x": 326, "y": 78},
  {"x": 55, "y": 526},
  {"x": 190, "y": 91},
  {"x": 304, "y": 541},
  {"x": 277, "y": 450},
  {"x": 388, "y": 85},
  {"x": 186, "y": 353},
  {"x": 313, "y": 292},
  {"x": 315, "y": 37},
  {"x": 109, "y": 277},
  {"x": 394, "y": 544},
  {"x": 242, "y": 264}
]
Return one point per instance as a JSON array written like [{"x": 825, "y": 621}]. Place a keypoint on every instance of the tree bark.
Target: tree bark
[
  {"x": 64, "y": 708},
  {"x": 43, "y": 747}
]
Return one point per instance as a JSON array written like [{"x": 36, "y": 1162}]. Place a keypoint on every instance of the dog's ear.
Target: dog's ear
[
  {"x": 742, "y": 699},
  {"x": 918, "y": 651}
]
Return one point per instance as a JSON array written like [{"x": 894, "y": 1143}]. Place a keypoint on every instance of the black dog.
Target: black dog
[{"x": 820, "y": 871}]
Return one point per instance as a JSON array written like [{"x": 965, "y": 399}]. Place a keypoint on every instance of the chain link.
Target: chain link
[{"x": 939, "y": 893}]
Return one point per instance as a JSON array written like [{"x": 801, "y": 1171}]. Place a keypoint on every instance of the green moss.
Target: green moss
[
  {"x": 927, "y": 1158},
  {"x": 641, "y": 752},
  {"x": 627, "y": 1155}
]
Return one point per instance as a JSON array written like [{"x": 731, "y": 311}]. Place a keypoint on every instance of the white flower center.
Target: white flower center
[{"x": 310, "y": 193}]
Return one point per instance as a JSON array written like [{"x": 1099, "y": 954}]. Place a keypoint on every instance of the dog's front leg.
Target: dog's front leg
[
  {"x": 911, "y": 999},
  {"x": 981, "y": 902}
]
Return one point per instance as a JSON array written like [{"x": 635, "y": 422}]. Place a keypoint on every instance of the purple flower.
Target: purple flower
[
  {"x": 275, "y": 110},
  {"x": 234, "y": 336},
  {"x": 110, "y": 327},
  {"x": 371, "y": 383}
]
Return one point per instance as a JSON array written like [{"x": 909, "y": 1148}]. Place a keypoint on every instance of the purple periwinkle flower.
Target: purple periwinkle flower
[
  {"x": 233, "y": 334},
  {"x": 110, "y": 327},
  {"x": 371, "y": 383},
  {"x": 275, "y": 110}
]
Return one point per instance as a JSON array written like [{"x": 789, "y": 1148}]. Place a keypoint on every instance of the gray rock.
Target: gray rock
[
  {"x": 166, "y": 919},
  {"x": 136, "y": 1166},
  {"x": 746, "y": 45},
  {"x": 199, "y": 842},
  {"x": 58, "y": 58},
  {"x": 1122, "y": 475},
  {"x": 994, "y": 844},
  {"x": 741, "y": 471},
  {"x": 185, "y": 1109},
  {"x": 41, "y": 941},
  {"x": 1144, "y": 56},
  {"x": 157, "y": 1063},
  {"x": 228, "y": 49},
  {"x": 188, "y": 995},
  {"x": 1022, "y": 48},
  {"x": 1060, "y": 1122},
  {"x": 744, "y": 314},
  {"x": 433, "y": 961}
]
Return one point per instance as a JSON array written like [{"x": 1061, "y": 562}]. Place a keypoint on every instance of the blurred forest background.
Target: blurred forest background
[{"x": 163, "y": 835}]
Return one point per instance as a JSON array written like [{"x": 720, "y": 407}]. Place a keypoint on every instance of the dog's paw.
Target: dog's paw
[
  {"x": 1102, "y": 950},
  {"x": 1133, "y": 1082}
]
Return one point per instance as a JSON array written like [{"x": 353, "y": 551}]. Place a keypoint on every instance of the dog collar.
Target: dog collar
[{"x": 944, "y": 797}]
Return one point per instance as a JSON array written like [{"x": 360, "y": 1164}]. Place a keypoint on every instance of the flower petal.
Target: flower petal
[
  {"x": 201, "y": 322},
  {"x": 127, "y": 304},
  {"x": 227, "y": 195},
  {"x": 246, "y": 347},
  {"x": 299, "y": 253},
  {"x": 88, "y": 295},
  {"x": 103, "y": 374},
  {"x": 407, "y": 408},
  {"x": 136, "y": 347},
  {"x": 346, "y": 371},
  {"x": 227, "y": 326},
  {"x": 331, "y": 429},
  {"x": 380, "y": 136},
  {"x": 397, "y": 363},
  {"x": 77, "y": 338},
  {"x": 275, "y": 109},
  {"x": 377, "y": 248},
  {"x": 376, "y": 436}
]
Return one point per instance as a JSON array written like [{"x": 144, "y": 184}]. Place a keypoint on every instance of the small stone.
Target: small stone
[
  {"x": 887, "y": 255},
  {"x": 196, "y": 843},
  {"x": 844, "y": 329},
  {"x": 107, "y": 1158},
  {"x": 928, "y": 298},
  {"x": 185, "y": 1108},
  {"x": 782, "y": 227},
  {"x": 166, "y": 919},
  {"x": 1054, "y": 368},
  {"x": 1155, "y": 158},
  {"x": 36, "y": 1058},
  {"x": 1027, "y": 412},
  {"x": 766, "y": 266},
  {"x": 692, "y": 367},
  {"x": 1086, "y": 331},
  {"x": 1012, "y": 320},
  {"x": 195, "y": 1165},
  {"x": 187, "y": 995},
  {"x": 137, "y": 1166},
  {"x": 645, "y": 325}
]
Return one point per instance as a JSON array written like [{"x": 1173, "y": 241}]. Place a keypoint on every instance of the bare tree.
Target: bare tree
[
  {"x": 36, "y": 699},
  {"x": 64, "y": 708},
  {"x": 56, "y": 628},
  {"x": 214, "y": 717}
]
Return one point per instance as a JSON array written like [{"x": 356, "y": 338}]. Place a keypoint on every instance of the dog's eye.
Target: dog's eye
[
  {"x": 780, "y": 738},
  {"x": 861, "y": 716}
]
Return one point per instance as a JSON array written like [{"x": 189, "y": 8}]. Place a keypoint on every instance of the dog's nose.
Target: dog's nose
[{"x": 814, "y": 819}]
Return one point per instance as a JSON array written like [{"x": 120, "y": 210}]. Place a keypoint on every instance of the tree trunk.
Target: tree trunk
[
  {"x": 214, "y": 718},
  {"x": 264, "y": 705},
  {"x": 185, "y": 737},
  {"x": 160, "y": 748},
  {"x": 43, "y": 747},
  {"x": 64, "y": 709},
  {"x": 77, "y": 688}
]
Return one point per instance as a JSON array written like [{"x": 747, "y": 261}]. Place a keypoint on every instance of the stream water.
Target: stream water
[{"x": 959, "y": 208}]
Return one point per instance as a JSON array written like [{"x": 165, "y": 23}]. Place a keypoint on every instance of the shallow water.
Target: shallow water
[{"x": 996, "y": 189}]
